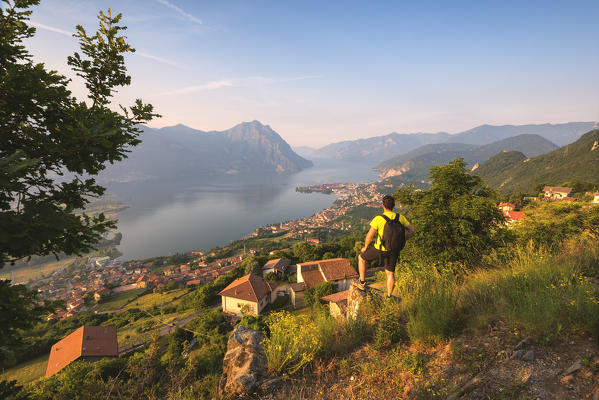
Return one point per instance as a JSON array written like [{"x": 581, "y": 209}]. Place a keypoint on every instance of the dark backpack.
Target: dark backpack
[{"x": 394, "y": 235}]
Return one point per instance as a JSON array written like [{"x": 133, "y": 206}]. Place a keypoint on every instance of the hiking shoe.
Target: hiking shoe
[{"x": 359, "y": 285}]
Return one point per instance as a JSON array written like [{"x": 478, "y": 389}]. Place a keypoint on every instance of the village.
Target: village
[{"x": 103, "y": 277}]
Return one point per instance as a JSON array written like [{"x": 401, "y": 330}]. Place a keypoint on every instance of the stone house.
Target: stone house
[{"x": 337, "y": 303}]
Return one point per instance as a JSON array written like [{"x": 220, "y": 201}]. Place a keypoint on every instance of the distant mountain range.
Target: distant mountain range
[
  {"x": 414, "y": 165},
  {"x": 175, "y": 151},
  {"x": 512, "y": 171},
  {"x": 381, "y": 148}
]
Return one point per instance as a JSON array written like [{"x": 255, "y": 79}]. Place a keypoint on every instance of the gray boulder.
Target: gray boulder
[{"x": 244, "y": 365}]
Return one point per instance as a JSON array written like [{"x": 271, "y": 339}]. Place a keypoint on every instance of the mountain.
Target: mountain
[
  {"x": 394, "y": 144},
  {"x": 508, "y": 172},
  {"x": 179, "y": 150},
  {"x": 415, "y": 164}
]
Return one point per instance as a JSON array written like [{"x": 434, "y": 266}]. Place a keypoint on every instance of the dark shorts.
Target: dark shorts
[{"x": 372, "y": 254}]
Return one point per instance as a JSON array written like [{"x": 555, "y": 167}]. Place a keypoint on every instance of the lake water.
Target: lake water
[{"x": 174, "y": 216}]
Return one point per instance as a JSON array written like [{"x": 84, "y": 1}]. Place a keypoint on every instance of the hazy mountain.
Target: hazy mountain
[
  {"x": 579, "y": 160},
  {"x": 384, "y": 147},
  {"x": 415, "y": 164},
  {"x": 249, "y": 147},
  {"x": 306, "y": 151}
]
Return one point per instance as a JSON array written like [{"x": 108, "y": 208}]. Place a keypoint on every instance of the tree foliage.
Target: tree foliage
[
  {"x": 52, "y": 144},
  {"x": 456, "y": 220}
]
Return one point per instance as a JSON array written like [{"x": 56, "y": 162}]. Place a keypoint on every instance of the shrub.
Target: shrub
[
  {"x": 313, "y": 295},
  {"x": 293, "y": 343},
  {"x": 391, "y": 325}
]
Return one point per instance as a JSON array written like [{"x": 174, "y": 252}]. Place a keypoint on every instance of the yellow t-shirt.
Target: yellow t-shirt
[{"x": 379, "y": 222}]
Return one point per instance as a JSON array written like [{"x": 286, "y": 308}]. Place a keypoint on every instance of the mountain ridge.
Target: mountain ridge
[
  {"x": 383, "y": 147},
  {"x": 416, "y": 163},
  {"x": 248, "y": 147}
]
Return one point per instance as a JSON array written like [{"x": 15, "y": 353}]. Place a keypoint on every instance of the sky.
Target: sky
[{"x": 325, "y": 71}]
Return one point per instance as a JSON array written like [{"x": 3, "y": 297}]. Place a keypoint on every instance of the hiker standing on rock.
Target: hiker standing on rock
[{"x": 391, "y": 230}]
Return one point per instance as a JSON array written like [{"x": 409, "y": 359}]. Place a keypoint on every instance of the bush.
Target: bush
[
  {"x": 391, "y": 325},
  {"x": 313, "y": 295},
  {"x": 294, "y": 342}
]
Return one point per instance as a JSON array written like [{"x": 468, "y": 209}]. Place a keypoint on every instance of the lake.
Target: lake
[{"x": 178, "y": 215}]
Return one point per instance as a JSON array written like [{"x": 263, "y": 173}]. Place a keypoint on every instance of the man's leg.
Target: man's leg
[
  {"x": 390, "y": 282},
  {"x": 362, "y": 268}
]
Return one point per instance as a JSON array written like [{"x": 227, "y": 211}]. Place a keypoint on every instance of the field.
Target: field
[
  {"x": 118, "y": 300},
  {"x": 157, "y": 299},
  {"x": 25, "y": 274},
  {"x": 27, "y": 372}
]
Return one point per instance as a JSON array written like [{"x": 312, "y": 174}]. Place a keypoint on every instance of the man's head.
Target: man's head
[{"x": 388, "y": 203}]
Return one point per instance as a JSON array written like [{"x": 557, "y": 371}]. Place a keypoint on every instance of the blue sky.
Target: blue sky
[{"x": 325, "y": 71}]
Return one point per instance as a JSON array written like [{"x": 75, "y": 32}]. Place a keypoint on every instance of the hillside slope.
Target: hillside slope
[
  {"x": 579, "y": 160},
  {"x": 415, "y": 164},
  {"x": 249, "y": 147}
]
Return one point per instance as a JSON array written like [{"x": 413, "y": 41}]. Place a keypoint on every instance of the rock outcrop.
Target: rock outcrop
[{"x": 244, "y": 365}]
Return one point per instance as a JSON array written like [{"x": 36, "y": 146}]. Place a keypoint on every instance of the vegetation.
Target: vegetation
[
  {"x": 457, "y": 218},
  {"x": 562, "y": 165},
  {"x": 45, "y": 132}
]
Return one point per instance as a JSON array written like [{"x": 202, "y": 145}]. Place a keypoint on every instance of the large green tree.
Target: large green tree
[
  {"x": 53, "y": 144},
  {"x": 456, "y": 220}
]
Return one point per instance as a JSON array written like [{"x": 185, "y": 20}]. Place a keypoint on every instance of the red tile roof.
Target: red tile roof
[
  {"x": 312, "y": 277},
  {"x": 87, "y": 341},
  {"x": 336, "y": 269},
  {"x": 250, "y": 287}
]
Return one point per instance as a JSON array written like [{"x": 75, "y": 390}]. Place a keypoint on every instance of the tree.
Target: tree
[
  {"x": 456, "y": 219},
  {"x": 252, "y": 266},
  {"x": 52, "y": 144},
  {"x": 314, "y": 294}
]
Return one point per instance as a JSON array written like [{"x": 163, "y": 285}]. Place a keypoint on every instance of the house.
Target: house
[
  {"x": 337, "y": 303},
  {"x": 313, "y": 241},
  {"x": 101, "y": 294},
  {"x": 506, "y": 207},
  {"x": 184, "y": 268},
  {"x": 596, "y": 197},
  {"x": 513, "y": 216},
  {"x": 250, "y": 291},
  {"x": 336, "y": 270},
  {"x": 88, "y": 343},
  {"x": 142, "y": 282},
  {"x": 556, "y": 192},
  {"x": 279, "y": 266},
  {"x": 194, "y": 282},
  {"x": 297, "y": 294}
]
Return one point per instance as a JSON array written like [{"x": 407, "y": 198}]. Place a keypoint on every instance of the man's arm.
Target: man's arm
[
  {"x": 409, "y": 232},
  {"x": 369, "y": 236}
]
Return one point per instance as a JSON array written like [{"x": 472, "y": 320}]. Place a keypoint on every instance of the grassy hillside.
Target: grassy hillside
[
  {"x": 579, "y": 160},
  {"x": 415, "y": 165}
]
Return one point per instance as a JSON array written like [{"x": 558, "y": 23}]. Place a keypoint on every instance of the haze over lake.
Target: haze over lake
[{"x": 170, "y": 216}]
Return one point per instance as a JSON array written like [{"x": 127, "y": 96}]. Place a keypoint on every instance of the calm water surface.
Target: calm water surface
[{"x": 166, "y": 217}]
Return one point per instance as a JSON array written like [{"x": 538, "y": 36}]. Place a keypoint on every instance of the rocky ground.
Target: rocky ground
[{"x": 491, "y": 364}]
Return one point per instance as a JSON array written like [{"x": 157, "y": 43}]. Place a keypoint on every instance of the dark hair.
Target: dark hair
[{"x": 388, "y": 202}]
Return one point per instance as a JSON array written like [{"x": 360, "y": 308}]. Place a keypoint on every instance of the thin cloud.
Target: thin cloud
[
  {"x": 180, "y": 12},
  {"x": 156, "y": 58},
  {"x": 50, "y": 28},
  {"x": 199, "y": 88},
  {"x": 244, "y": 82},
  {"x": 139, "y": 53}
]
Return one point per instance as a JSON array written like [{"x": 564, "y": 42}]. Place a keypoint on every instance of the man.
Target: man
[{"x": 378, "y": 251}]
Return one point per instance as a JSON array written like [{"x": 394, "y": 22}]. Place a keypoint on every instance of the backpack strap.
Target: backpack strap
[{"x": 387, "y": 218}]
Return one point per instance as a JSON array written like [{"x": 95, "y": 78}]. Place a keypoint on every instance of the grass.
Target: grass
[
  {"x": 157, "y": 299},
  {"x": 28, "y": 371},
  {"x": 118, "y": 300},
  {"x": 25, "y": 274}
]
